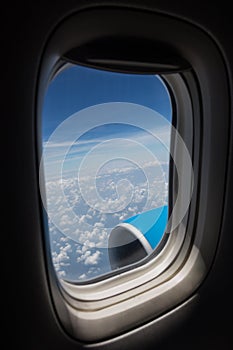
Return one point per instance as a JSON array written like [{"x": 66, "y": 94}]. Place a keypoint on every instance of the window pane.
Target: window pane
[{"x": 106, "y": 141}]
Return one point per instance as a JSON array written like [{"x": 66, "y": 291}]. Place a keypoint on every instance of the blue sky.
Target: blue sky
[
  {"x": 77, "y": 88},
  {"x": 80, "y": 87}
]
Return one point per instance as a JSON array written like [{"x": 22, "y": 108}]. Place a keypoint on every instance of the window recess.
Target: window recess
[{"x": 106, "y": 155}]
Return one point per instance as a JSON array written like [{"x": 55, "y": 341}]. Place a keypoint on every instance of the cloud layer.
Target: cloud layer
[{"x": 86, "y": 256}]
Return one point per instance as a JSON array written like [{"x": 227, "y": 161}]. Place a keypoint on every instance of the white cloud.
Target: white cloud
[
  {"x": 87, "y": 257},
  {"x": 61, "y": 273},
  {"x": 93, "y": 259}
]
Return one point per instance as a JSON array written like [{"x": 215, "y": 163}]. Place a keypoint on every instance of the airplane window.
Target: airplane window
[
  {"x": 106, "y": 153},
  {"x": 128, "y": 120}
]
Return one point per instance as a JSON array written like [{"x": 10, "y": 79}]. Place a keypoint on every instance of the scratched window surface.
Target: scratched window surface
[{"x": 106, "y": 142}]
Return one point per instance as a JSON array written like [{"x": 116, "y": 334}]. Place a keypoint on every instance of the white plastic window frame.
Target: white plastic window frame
[
  {"x": 106, "y": 308},
  {"x": 170, "y": 81}
]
